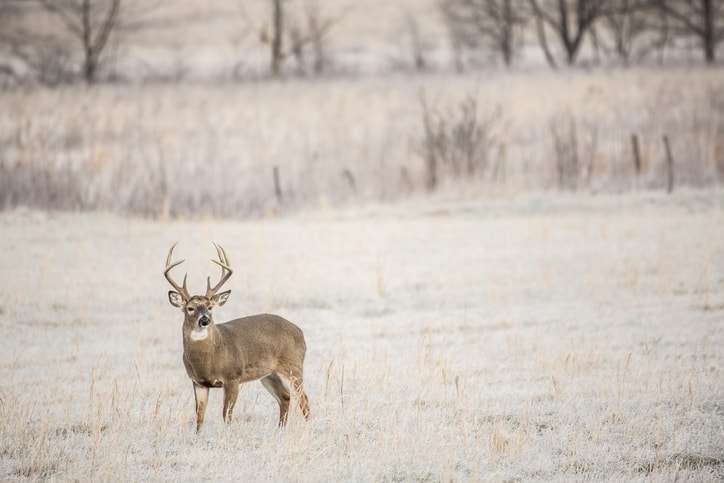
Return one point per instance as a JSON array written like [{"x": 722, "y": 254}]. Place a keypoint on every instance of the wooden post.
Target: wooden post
[
  {"x": 277, "y": 184},
  {"x": 669, "y": 165},
  {"x": 430, "y": 147},
  {"x": 636, "y": 148},
  {"x": 349, "y": 177}
]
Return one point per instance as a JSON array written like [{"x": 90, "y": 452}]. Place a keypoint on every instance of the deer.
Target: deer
[{"x": 262, "y": 347}]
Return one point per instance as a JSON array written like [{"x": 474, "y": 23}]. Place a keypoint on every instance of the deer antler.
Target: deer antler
[
  {"x": 226, "y": 272},
  {"x": 182, "y": 290}
]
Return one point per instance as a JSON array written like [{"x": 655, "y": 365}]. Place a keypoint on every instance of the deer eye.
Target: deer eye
[{"x": 190, "y": 310}]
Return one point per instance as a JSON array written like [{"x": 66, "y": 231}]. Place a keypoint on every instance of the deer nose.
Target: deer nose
[{"x": 204, "y": 321}]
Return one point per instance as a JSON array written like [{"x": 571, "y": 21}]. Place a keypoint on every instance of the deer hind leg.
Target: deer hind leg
[
  {"x": 201, "y": 395},
  {"x": 231, "y": 392},
  {"x": 296, "y": 380},
  {"x": 274, "y": 384}
]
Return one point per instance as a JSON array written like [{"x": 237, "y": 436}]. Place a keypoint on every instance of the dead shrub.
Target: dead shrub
[
  {"x": 574, "y": 151},
  {"x": 457, "y": 143}
]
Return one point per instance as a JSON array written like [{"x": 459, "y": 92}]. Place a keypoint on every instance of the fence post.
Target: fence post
[
  {"x": 636, "y": 157},
  {"x": 277, "y": 184},
  {"x": 669, "y": 165}
]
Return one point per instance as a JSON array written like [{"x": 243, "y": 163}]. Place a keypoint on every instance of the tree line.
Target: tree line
[
  {"x": 92, "y": 32},
  {"x": 627, "y": 29}
]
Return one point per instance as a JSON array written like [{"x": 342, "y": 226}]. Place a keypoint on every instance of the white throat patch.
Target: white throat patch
[{"x": 199, "y": 334}]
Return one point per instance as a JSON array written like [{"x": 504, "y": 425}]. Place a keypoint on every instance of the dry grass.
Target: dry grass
[
  {"x": 210, "y": 149},
  {"x": 568, "y": 338}
]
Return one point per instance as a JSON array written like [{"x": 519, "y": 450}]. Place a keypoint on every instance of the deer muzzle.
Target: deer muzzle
[{"x": 204, "y": 321}]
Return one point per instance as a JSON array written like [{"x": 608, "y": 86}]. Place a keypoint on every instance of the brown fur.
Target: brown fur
[{"x": 264, "y": 346}]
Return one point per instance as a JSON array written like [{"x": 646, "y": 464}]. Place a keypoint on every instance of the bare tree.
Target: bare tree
[
  {"x": 493, "y": 23},
  {"x": 702, "y": 19},
  {"x": 10, "y": 37},
  {"x": 628, "y": 23},
  {"x": 276, "y": 42},
  {"x": 99, "y": 24},
  {"x": 540, "y": 29},
  {"x": 26, "y": 54},
  {"x": 312, "y": 31},
  {"x": 92, "y": 22},
  {"x": 418, "y": 45},
  {"x": 318, "y": 27},
  {"x": 571, "y": 20},
  {"x": 663, "y": 35}
]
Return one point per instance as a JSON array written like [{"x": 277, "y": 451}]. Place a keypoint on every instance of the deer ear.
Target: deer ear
[
  {"x": 175, "y": 299},
  {"x": 220, "y": 299}
]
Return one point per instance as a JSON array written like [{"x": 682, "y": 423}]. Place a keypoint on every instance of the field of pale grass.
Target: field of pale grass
[
  {"x": 565, "y": 338},
  {"x": 209, "y": 149}
]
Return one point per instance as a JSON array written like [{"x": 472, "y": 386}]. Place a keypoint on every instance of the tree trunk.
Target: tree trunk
[
  {"x": 507, "y": 55},
  {"x": 90, "y": 67},
  {"x": 507, "y": 40},
  {"x": 89, "y": 62},
  {"x": 277, "y": 37},
  {"x": 709, "y": 38},
  {"x": 570, "y": 55},
  {"x": 564, "y": 32},
  {"x": 320, "y": 57},
  {"x": 543, "y": 41},
  {"x": 710, "y": 52}
]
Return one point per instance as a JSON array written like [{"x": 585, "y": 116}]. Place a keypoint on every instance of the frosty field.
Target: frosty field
[
  {"x": 179, "y": 150},
  {"x": 558, "y": 337}
]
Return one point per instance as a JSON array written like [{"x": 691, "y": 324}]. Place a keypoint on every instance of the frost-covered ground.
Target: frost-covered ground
[{"x": 565, "y": 338}]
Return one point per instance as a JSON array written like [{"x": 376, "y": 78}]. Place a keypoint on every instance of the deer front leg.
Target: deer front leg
[
  {"x": 201, "y": 394},
  {"x": 231, "y": 392}
]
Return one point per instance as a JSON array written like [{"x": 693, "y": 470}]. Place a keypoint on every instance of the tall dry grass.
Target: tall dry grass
[{"x": 211, "y": 149}]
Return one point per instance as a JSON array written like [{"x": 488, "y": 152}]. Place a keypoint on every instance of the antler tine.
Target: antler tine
[
  {"x": 222, "y": 256},
  {"x": 170, "y": 252},
  {"x": 182, "y": 290},
  {"x": 226, "y": 257},
  {"x": 226, "y": 271}
]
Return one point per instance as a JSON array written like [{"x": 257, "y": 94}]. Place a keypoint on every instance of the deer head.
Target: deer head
[{"x": 197, "y": 308}]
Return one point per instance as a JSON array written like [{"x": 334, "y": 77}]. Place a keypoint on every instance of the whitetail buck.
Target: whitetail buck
[{"x": 265, "y": 347}]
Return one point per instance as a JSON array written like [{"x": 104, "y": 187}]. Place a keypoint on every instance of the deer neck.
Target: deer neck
[
  {"x": 196, "y": 339},
  {"x": 201, "y": 354}
]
